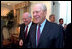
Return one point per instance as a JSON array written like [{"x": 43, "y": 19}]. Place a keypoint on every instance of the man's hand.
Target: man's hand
[{"x": 21, "y": 43}]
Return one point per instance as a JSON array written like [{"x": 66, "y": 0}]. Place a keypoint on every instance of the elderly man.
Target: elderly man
[
  {"x": 25, "y": 29},
  {"x": 44, "y": 34}
]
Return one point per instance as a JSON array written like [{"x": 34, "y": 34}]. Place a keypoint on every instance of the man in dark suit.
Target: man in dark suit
[
  {"x": 25, "y": 29},
  {"x": 61, "y": 23},
  {"x": 44, "y": 34},
  {"x": 68, "y": 37}
]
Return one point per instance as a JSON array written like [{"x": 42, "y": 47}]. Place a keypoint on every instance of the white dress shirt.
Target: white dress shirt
[
  {"x": 41, "y": 29},
  {"x": 29, "y": 25}
]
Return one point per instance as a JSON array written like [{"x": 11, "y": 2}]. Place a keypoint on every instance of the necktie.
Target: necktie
[
  {"x": 38, "y": 34},
  {"x": 26, "y": 32}
]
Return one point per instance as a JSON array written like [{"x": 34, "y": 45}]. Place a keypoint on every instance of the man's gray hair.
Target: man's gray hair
[
  {"x": 30, "y": 15},
  {"x": 43, "y": 6}
]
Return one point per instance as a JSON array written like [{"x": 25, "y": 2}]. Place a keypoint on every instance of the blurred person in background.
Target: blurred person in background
[
  {"x": 68, "y": 36},
  {"x": 52, "y": 18}
]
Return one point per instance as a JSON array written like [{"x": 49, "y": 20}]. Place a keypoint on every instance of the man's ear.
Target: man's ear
[{"x": 45, "y": 12}]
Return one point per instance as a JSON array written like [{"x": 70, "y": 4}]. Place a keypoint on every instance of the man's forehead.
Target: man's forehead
[
  {"x": 36, "y": 8},
  {"x": 25, "y": 15}
]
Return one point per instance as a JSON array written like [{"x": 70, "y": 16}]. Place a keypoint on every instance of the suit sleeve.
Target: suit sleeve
[
  {"x": 59, "y": 39},
  {"x": 21, "y": 33}
]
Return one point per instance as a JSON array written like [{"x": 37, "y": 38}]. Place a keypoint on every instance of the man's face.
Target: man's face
[
  {"x": 52, "y": 19},
  {"x": 38, "y": 14},
  {"x": 26, "y": 19},
  {"x": 61, "y": 22}
]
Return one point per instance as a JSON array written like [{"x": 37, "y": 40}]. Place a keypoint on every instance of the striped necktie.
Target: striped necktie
[
  {"x": 38, "y": 34},
  {"x": 26, "y": 32}
]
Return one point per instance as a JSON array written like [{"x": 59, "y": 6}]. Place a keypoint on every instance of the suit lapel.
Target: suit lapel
[
  {"x": 44, "y": 32},
  {"x": 29, "y": 31},
  {"x": 34, "y": 35}
]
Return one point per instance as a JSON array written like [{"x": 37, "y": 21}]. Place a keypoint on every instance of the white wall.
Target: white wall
[
  {"x": 65, "y": 11},
  {"x": 62, "y": 9},
  {"x": 55, "y": 10}
]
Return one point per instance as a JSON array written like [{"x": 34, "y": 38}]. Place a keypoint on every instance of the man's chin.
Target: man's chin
[
  {"x": 35, "y": 22},
  {"x": 26, "y": 24}
]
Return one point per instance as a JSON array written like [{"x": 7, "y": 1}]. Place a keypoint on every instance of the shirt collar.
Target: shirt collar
[
  {"x": 43, "y": 23},
  {"x": 29, "y": 24}
]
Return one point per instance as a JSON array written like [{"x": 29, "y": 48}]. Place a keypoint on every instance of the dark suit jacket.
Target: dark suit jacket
[
  {"x": 51, "y": 36},
  {"x": 22, "y": 35},
  {"x": 68, "y": 37},
  {"x": 63, "y": 31}
]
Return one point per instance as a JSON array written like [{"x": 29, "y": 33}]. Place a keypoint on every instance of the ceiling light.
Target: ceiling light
[{"x": 8, "y": 4}]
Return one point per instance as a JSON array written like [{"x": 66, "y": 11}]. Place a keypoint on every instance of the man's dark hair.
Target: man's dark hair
[{"x": 60, "y": 19}]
